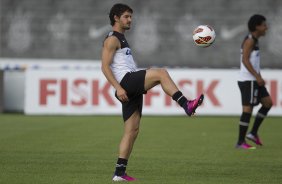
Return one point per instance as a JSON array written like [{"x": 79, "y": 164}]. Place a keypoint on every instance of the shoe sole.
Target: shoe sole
[
  {"x": 253, "y": 141},
  {"x": 200, "y": 101},
  {"x": 251, "y": 148}
]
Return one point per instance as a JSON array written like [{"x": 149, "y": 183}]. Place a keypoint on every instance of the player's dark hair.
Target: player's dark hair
[
  {"x": 254, "y": 21},
  {"x": 118, "y": 10}
]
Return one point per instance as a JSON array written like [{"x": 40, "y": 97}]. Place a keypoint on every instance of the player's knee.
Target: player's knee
[
  {"x": 268, "y": 104},
  {"x": 163, "y": 72},
  {"x": 134, "y": 132},
  {"x": 247, "y": 109}
]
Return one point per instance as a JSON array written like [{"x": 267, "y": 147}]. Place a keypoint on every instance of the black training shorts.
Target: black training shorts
[
  {"x": 251, "y": 92},
  {"x": 133, "y": 84}
]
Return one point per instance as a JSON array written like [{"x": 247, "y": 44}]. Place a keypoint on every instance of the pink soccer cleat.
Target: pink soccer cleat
[
  {"x": 125, "y": 177},
  {"x": 192, "y": 105},
  {"x": 255, "y": 139},
  {"x": 245, "y": 146}
]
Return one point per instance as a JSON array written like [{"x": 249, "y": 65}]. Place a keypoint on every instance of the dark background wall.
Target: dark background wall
[{"x": 161, "y": 33}]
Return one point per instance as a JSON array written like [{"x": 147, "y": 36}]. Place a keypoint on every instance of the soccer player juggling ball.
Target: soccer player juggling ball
[{"x": 130, "y": 84}]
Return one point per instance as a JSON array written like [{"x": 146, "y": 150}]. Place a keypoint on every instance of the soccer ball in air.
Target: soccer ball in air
[{"x": 204, "y": 35}]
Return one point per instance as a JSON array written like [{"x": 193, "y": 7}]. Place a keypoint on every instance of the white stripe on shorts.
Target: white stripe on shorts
[{"x": 252, "y": 93}]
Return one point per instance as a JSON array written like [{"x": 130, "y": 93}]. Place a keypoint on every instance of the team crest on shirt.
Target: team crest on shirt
[{"x": 128, "y": 52}]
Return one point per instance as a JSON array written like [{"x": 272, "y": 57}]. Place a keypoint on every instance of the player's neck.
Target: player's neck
[
  {"x": 118, "y": 29},
  {"x": 255, "y": 34}
]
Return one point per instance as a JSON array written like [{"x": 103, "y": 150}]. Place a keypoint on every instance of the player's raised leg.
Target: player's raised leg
[{"x": 161, "y": 76}]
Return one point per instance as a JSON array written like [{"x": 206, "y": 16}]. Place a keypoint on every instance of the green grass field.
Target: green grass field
[{"x": 169, "y": 150}]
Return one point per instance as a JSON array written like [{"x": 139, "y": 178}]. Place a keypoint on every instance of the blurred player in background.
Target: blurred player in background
[
  {"x": 251, "y": 83},
  {"x": 130, "y": 84}
]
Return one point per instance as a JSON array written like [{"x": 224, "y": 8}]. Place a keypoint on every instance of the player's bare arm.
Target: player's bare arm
[
  {"x": 111, "y": 44},
  {"x": 247, "y": 49}
]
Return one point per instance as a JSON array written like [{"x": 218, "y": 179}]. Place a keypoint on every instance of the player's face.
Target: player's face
[
  {"x": 125, "y": 20},
  {"x": 262, "y": 29}
]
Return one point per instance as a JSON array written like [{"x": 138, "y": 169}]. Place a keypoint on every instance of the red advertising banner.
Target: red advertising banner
[{"x": 81, "y": 92}]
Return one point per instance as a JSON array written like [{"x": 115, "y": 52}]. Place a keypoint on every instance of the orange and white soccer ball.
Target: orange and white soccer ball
[{"x": 204, "y": 35}]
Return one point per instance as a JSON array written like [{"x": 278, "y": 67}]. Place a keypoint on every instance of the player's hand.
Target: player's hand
[
  {"x": 121, "y": 94},
  {"x": 260, "y": 81}
]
